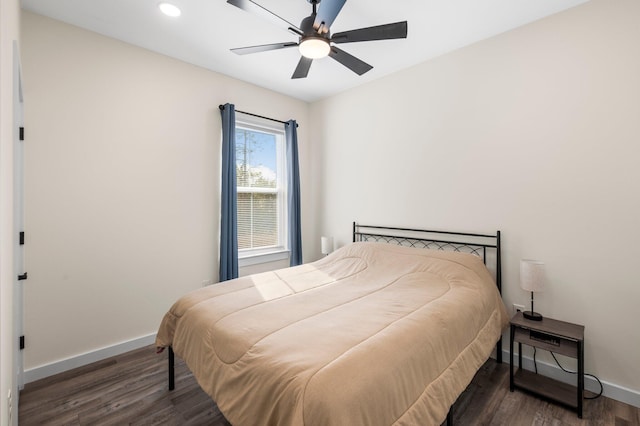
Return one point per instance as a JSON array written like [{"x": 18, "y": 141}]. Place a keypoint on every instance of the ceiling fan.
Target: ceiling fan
[{"x": 316, "y": 40}]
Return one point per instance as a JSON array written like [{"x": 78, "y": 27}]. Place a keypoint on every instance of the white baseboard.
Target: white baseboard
[
  {"x": 610, "y": 390},
  {"x": 47, "y": 370}
]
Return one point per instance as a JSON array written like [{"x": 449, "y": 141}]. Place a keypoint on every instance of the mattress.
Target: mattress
[{"x": 373, "y": 334}]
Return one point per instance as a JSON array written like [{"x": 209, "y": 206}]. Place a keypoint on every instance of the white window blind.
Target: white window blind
[{"x": 259, "y": 174}]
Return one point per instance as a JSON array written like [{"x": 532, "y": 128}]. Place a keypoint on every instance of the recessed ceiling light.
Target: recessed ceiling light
[{"x": 170, "y": 9}]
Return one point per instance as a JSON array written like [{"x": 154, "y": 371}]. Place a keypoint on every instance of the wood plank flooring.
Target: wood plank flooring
[{"x": 131, "y": 389}]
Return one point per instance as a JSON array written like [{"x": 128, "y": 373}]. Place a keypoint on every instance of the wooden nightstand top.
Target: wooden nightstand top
[{"x": 551, "y": 326}]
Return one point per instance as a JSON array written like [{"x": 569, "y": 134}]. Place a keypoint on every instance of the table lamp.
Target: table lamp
[
  {"x": 532, "y": 278},
  {"x": 326, "y": 245}
]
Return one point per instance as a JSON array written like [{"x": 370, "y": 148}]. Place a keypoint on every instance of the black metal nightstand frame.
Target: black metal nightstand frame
[{"x": 555, "y": 336}]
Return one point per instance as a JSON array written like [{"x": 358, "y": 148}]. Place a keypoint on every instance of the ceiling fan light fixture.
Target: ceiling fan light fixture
[{"x": 314, "y": 47}]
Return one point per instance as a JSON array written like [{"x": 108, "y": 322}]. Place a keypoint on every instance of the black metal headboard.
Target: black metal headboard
[{"x": 485, "y": 246}]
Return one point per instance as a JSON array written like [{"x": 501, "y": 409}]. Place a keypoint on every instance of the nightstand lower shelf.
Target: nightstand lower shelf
[{"x": 546, "y": 387}]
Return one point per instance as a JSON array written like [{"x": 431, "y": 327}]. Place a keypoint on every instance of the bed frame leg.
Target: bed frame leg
[
  {"x": 499, "y": 351},
  {"x": 450, "y": 417},
  {"x": 172, "y": 377}
]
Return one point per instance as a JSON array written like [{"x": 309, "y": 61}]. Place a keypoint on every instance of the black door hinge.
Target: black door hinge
[
  {"x": 21, "y": 342},
  {"x": 22, "y": 277},
  {"x": 21, "y": 133},
  {"x": 22, "y": 238}
]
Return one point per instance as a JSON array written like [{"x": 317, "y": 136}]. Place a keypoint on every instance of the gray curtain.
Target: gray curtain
[
  {"x": 229, "y": 199},
  {"x": 293, "y": 193}
]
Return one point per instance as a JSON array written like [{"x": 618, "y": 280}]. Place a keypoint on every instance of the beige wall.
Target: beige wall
[
  {"x": 9, "y": 32},
  {"x": 122, "y": 184},
  {"x": 534, "y": 132}
]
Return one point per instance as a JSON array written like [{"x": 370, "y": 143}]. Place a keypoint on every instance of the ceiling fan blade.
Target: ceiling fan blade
[
  {"x": 255, "y": 8},
  {"x": 303, "y": 68},
  {"x": 349, "y": 61},
  {"x": 380, "y": 32},
  {"x": 327, "y": 13},
  {"x": 262, "y": 48}
]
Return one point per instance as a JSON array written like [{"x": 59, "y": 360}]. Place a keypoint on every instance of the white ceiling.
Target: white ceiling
[{"x": 207, "y": 30}]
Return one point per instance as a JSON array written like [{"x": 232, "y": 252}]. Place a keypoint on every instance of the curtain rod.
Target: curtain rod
[{"x": 256, "y": 115}]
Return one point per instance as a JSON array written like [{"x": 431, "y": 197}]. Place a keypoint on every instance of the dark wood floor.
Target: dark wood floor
[{"x": 132, "y": 389}]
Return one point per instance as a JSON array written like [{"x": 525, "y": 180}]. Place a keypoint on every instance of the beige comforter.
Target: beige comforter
[{"x": 373, "y": 334}]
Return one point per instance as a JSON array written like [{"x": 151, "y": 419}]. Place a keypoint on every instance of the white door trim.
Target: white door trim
[{"x": 18, "y": 223}]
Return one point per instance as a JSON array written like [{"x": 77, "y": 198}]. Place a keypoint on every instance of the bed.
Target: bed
[{"x": 387, "y": 330}]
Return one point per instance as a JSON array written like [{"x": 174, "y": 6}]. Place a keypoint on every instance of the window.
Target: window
[{"x": 260, "y": 178}]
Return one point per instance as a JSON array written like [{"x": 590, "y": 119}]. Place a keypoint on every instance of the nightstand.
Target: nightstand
[{"x": 552, "y": 335}]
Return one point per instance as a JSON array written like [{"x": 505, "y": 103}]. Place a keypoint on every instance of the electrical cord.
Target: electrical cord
[{"x": 535, "y": 365}]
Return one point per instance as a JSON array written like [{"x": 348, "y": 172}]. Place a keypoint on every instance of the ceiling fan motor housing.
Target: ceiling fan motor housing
[
  {"x": 307, "y": 28},
  {"x": 313, "y": 45}
]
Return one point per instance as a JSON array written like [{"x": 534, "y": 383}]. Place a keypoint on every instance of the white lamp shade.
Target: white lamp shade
[
  {"x": 326, "y": 245},
  {"x": 532, "y": 275}
]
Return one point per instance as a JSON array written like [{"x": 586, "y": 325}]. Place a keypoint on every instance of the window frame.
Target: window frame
[{"x": 280, "y": 251}]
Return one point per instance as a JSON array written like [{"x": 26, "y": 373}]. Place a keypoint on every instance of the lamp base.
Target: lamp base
[{"x": 533, "y": 316}]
